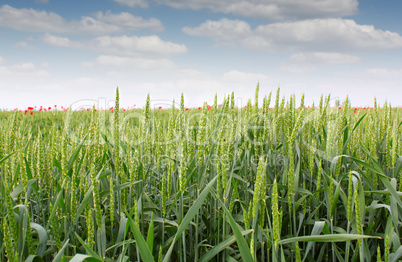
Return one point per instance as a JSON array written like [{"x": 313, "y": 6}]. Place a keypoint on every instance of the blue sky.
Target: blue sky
[{"x": 71, "y": 52}]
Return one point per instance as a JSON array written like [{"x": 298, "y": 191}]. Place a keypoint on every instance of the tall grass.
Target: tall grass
[{"x": 216, "y": 184}]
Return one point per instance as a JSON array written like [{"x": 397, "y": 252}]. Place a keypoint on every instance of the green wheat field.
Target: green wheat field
[{"x": 281, "y": 181}]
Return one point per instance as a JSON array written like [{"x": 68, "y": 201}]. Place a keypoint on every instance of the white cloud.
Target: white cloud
[
  {"x": 239, "y": 76},
  {"x": 383, "y": 72},
  {"x": 60, "y": 41},
  {"x": 323, "y": 57},
  {"x": 128, "y": 63},
  {"x": 130, "y": 21},
  {"x": 316, "y": 34},
  {"x": 269, "y": 9},
  {"x": 223, "y": 31},
  {"x": 25, "y": 70},
  {"x": 31, "y": 20},
  {"x": 90, "y": 25},
  {"x": 133, "y": 3},
  {"x": 42, "y": 21},
  {"x": 331, "y": 33},
  {"x": 297, "y": 68},
  {"x": 193, "y": 73},
  {"x": 124, "y": 52},
  {"x": 302, "y": 63},
  {"x": 137, "y": 45},
  {"x": 24, "y": 45}
]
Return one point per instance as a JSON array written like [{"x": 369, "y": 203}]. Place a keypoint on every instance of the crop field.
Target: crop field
[{"x": 277, "y": 181}]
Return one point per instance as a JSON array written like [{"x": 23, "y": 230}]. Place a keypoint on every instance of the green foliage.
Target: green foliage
[{"x": 215, "y": 184}]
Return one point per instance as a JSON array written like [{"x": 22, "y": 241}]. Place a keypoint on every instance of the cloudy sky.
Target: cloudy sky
[{"x": 61, "y": 52}]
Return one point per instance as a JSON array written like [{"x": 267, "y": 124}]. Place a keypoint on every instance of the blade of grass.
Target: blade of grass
[
  {"x": 88, "y": 249},
  {"x": 326, "y": 238},
  {"x": 243, "y": 246},
  {"x": 21, "y": 188},
  {"x": 139, "y": 239},
  {"x": 150, "y": 235},
  {"x": 190, "y": 215},
  {"x": 33, "y": 258},
  {"x": 60, "y": 254},
  {"x": 6, "y": 157},
  {"x": 221, "y": 246},
  {"x": 42, "y": 237},
  {"x": 81, "y": 257},
  {"x": 74, "y": 157}
]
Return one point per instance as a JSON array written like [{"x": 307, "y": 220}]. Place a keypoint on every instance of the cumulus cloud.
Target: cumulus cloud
[
  {"x": 133, "y": 3},
  {"x": 326, "y": 35},
  {"x": 193, "y": 73},
  {"x": 239, "y": 76},
  {"x": 103, "y": 23},
  {"x": 24, "y": 70},
  {"x": 266, "y": 9},
  {"x": 129, "y": 21},
  {"x": 302, "y": 63},
  {"x": 297, "y": 68},
  {"x": 323, "y": 57},
  {"x": 137, "y": 45},
  {"x": 223, "y": 31},
  {"x": 24, "y": 45},
  {"x": 383, "y": 72},
  {"x": 31, "y": 20},
  {"x": 60, "y": 41},
  {"x": 130, "y": 63},
  {"x": 331, "y": 33}
]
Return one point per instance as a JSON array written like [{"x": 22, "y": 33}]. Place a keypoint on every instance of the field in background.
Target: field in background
[{"x": 218, "y": 183}]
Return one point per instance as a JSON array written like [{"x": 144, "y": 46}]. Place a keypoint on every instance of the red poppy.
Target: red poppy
[
  {"x": 199, "y": 108},
  {"x": 186, "y": 109},
  {"x": 31, "y": 113},
  {"x": 160, "y": 107}
]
